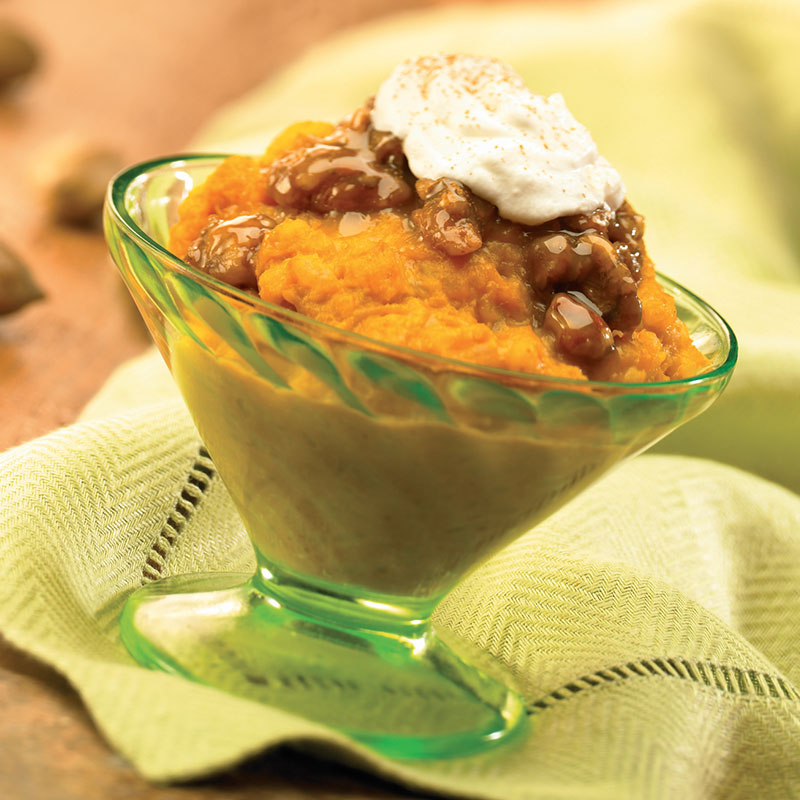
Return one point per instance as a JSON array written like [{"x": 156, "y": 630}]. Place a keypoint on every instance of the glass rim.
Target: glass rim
[{"x": 116, "y": 207}]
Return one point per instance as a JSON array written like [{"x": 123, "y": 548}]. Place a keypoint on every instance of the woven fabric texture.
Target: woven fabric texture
[{"x": 651, "y": 624}]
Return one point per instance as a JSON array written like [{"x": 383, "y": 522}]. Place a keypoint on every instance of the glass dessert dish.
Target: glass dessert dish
[{"x": 370, "y": 478}]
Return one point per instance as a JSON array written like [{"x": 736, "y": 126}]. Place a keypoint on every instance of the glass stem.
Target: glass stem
[{"x": 331, "y": 606}]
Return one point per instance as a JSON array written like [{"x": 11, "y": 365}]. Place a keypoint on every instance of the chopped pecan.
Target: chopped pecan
[
  {"x": 589, "y": 263},
  {"x": 626, "y": 231},
  {"x": 225, "y": 248},
  {"x": 579, "y": 330},
  {"x": 449, "y": 218},
  {"x": 339, "y": 172}
]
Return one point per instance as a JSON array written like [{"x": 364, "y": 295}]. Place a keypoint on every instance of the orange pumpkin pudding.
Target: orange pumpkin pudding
[{"x": 333, "y": 223}]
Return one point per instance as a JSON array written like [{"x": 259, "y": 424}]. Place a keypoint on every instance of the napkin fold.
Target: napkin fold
[{"x": 651, "y": 624}]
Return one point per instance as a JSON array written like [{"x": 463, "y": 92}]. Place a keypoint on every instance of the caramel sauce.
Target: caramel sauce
[{"x": 582, "y": 271}]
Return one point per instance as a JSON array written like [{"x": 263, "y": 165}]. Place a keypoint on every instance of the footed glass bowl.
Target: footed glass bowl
[{"x": 370, "y": 479}]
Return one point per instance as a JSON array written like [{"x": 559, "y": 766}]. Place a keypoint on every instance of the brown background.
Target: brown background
[{"x": 141, "y": 76}]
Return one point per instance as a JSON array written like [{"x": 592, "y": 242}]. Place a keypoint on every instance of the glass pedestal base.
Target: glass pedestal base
[{"x": 405, "y": 693}]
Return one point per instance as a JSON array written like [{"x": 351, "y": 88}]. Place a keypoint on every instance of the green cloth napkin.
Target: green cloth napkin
[{"x": 652, "y": 624}]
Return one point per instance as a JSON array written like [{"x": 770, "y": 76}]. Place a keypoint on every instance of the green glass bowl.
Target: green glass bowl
[{"x": 370, "y": 479}]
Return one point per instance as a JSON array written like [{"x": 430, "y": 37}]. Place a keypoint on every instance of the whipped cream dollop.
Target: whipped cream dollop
[{"x": 473, "y": 119}]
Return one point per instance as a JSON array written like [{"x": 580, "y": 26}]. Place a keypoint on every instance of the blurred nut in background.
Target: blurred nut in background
[
  {"x": 72, "y": 176},
  {"x": 18, "y": 55},
  {"x": 17, "y": 287}
]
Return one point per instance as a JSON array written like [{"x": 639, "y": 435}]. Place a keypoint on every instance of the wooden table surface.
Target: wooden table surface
[{"x": 141, "y": 77}]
